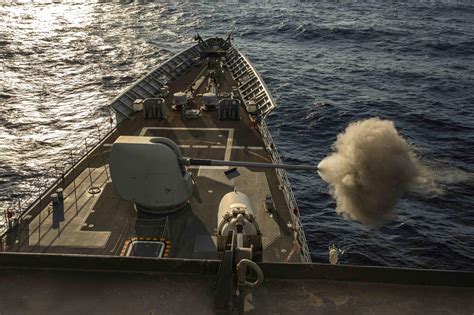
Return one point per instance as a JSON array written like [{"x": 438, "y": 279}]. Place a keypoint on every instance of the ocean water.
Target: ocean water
[{"x": 326, "y": 63}]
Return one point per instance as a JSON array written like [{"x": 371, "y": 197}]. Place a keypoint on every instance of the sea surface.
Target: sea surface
[{"x": 326, "y": 63}]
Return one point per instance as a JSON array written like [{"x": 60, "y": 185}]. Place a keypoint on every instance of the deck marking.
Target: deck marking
[
  {"x": 195, "y": 167},
  {"x": 230, "y": 140},
  {"x": 230, "y": 137},
  {"x": 71, "y": 233},
  {"x": 294, "y": 248},
  {"x": 183, "y": 128},
  {"x": 128, "y": 243},
  {"x": 228, "y": 147},
  {"x": 145, "y": 129},
  {"x": 260, "y": 156},
  {"x": 203, "y": 146}
]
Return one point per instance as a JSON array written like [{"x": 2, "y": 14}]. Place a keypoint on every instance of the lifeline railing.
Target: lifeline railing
[
  {"x": 237, "y": 58},
  {"x": 287, "y": 191},
  {"x": 70, "y": 166}
]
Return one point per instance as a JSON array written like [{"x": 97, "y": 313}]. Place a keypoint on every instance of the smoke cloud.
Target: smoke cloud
[{"x": 371, "y": 167}]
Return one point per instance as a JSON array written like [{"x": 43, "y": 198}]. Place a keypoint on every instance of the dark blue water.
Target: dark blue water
[{"x": 326, "y": 64}]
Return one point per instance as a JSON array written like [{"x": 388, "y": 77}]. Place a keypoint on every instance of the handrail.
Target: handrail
[
  {"x": 191, "y": 51},
  {"x": 269, "y": 143},
  {"x": 242, "y": 59},
  {"x": 288, "y": 192},
  {"x": 25, "y": 206}
]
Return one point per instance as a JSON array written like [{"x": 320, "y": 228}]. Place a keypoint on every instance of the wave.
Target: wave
[
  {"x": 446, "y": 46},
  {"x": 444, "y": 123},
  {"x": 309, "y": 31}
]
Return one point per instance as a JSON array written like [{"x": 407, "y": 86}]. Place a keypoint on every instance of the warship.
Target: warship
[{"x": 183, "y": 206}]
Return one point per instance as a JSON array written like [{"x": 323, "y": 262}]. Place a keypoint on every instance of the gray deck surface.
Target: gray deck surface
[
  {"x": 68, "y": 292},
  {"x": 105, "y": 224}
]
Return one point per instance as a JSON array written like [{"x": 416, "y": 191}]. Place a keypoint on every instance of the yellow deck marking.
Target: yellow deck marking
[{"x": 126, "y": 244}]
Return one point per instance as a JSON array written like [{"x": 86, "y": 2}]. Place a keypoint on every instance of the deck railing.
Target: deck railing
[
  {"x": 287, "y": 192},
  {"x": 252, "y": 88},
  {"x": 60, "y": 171},
  {"x": 150, "y": 84}
]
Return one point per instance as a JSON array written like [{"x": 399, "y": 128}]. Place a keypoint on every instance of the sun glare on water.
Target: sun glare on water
[{"x": 48, "y": 16}]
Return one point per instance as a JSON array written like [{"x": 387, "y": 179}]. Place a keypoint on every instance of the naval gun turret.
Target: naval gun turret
[
  {"x": 152, "y": 173},
  {"x": 146, "y": 171}
]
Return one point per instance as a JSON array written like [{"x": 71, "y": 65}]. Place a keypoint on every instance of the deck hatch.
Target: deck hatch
[{"x": 153, "y": 249}]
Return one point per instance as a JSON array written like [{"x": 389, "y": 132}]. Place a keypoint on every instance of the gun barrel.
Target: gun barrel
[{"x": 191, "y": 161}]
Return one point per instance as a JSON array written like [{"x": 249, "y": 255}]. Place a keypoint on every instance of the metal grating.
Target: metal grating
[{"x": 251, "y": 87}]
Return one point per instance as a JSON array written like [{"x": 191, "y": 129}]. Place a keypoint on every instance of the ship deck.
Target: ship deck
[
  {"x": 46, "y": 277},
  {"x": 45, "y": 284},
  {"x": 104, "y": 224}
]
